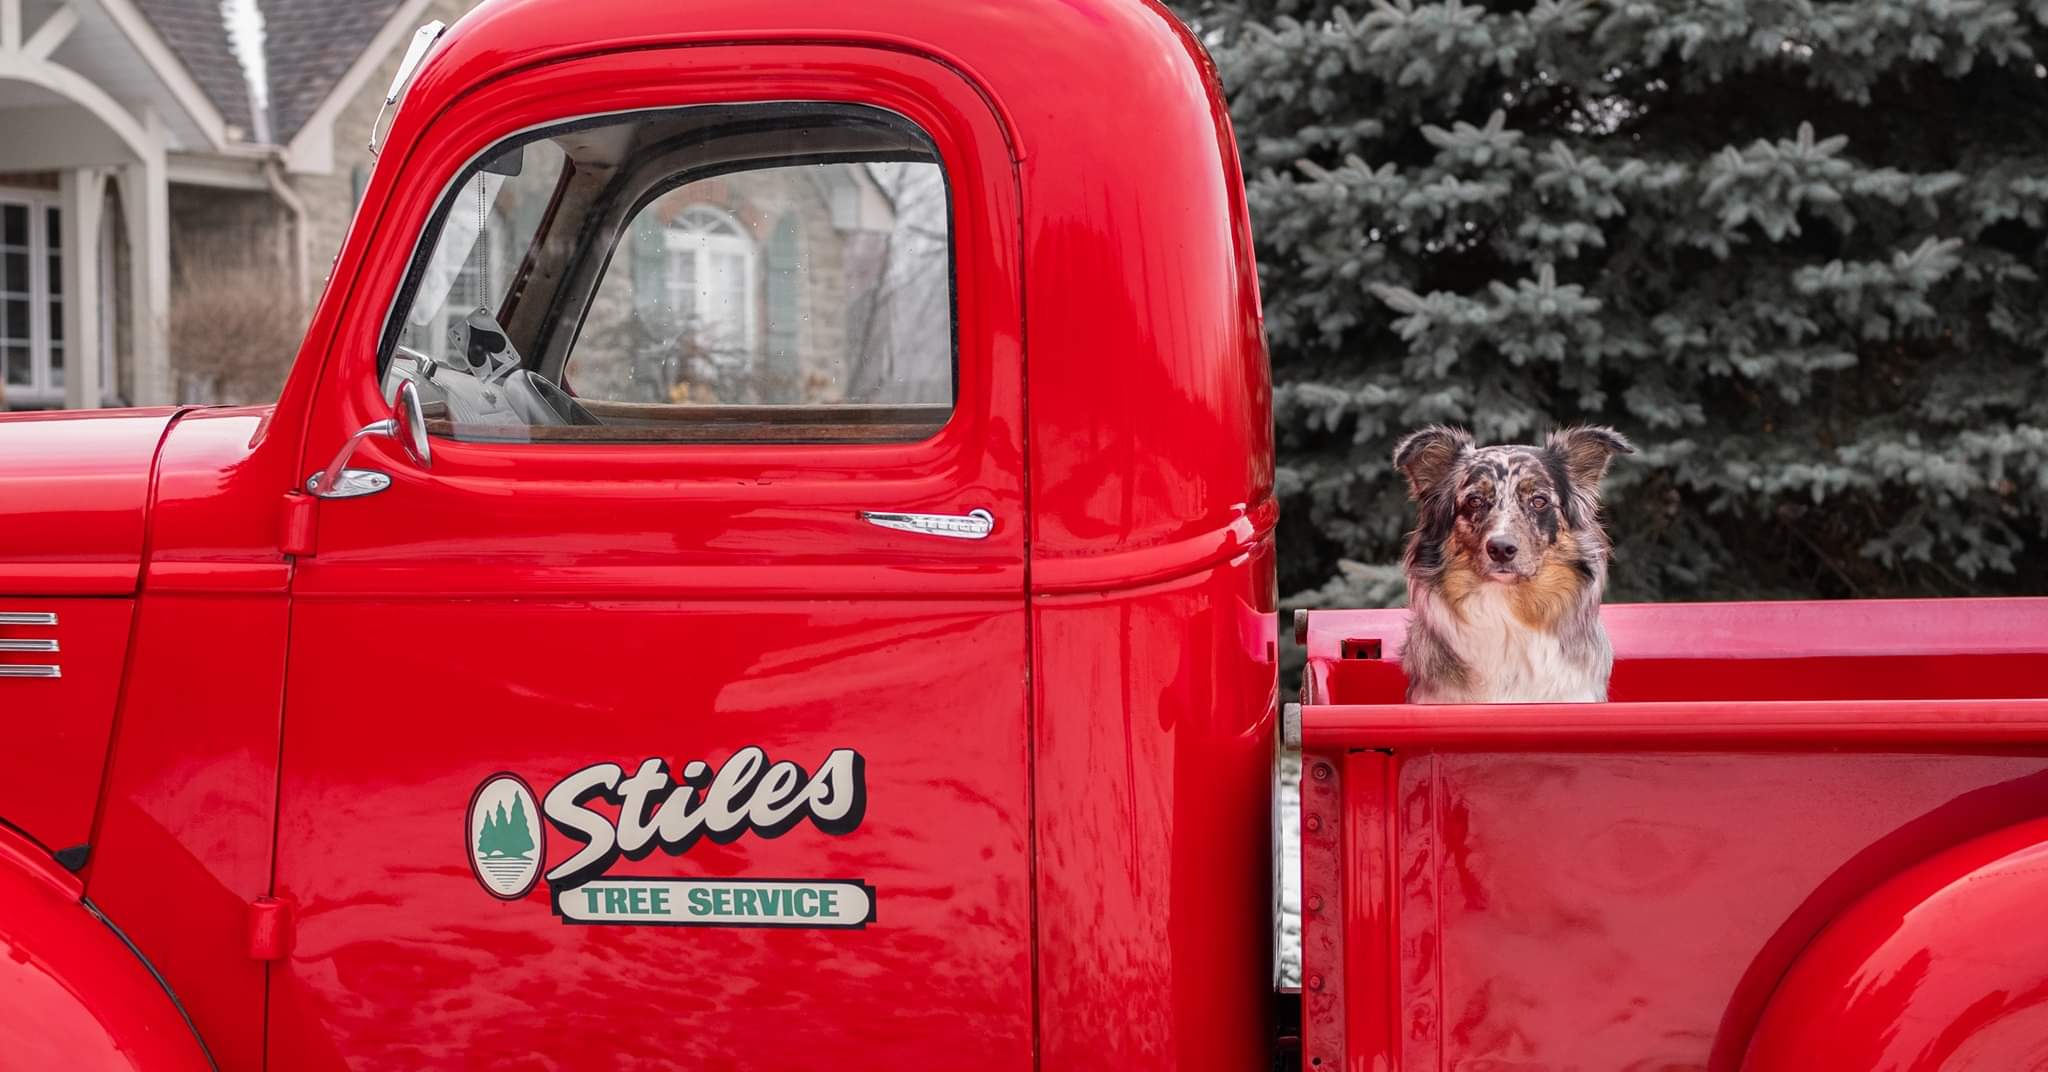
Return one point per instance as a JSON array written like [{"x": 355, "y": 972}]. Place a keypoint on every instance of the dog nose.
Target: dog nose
[{"x": 1501, "y": 550}]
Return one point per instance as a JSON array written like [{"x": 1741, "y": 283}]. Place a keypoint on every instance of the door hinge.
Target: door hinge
[
  {"x": 299, "y": 524},
  {"x": 270, "y": 928}
]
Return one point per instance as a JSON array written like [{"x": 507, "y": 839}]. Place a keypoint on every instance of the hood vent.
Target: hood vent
[{"x": 15, "y": 621}]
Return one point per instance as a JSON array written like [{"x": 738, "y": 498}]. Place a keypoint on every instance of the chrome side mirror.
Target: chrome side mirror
[
  {"x": 407, "y": 425},
  {"x": 411, "y": 425}
]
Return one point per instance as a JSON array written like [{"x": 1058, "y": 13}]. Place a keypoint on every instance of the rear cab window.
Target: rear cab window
[{"x": 717, "y": 274}]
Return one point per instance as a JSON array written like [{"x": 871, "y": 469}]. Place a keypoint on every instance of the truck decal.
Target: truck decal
[
  {"x": 746, "y": 795},
  {"x": 692, "y": 902},
  {"x": 506, "y": 847}
]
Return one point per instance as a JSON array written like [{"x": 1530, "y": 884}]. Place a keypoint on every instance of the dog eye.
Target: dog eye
[{"x": 1538, "y": 502}]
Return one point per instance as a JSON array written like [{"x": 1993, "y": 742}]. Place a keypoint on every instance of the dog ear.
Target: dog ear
[
  {"x": 1585, "y": 452},
  {"x": 1426, "y": 456}
]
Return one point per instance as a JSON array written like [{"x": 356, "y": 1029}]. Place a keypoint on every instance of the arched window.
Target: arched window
[{"x": 711, "y": 278}]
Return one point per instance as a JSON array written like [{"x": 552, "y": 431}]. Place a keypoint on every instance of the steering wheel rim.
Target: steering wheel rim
[{"x": 561, "y": 402}]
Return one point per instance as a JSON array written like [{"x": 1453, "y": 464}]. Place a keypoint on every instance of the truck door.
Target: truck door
[{"x": 670, "y": 711}]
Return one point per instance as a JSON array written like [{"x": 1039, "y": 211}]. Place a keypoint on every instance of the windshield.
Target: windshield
[{"x": 484, "y": 242}]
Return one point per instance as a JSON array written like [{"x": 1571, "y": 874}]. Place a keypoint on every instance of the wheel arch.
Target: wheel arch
[
  {"x": 1942, "y": 966},
  {"x": 77, "y": 994}
]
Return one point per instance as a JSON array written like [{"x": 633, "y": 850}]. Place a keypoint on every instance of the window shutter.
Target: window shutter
[
  {"x": 656, "y": 356},
  {"x": 782, "y": 377},
  {"x": 649, "y": 248}
]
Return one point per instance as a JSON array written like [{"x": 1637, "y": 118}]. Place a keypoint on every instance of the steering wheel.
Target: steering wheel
[{"x": 559, "y": 401}]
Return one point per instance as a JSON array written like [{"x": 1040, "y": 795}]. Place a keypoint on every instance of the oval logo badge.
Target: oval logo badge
[{"x": 506, "y": 846}]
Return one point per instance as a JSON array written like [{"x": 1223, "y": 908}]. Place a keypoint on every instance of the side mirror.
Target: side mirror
[
  {"x": 411, "y": 425},
  {"x": 407, "y": 425}
]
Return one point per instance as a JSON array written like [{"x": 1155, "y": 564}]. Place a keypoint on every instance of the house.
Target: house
[
  {"x": 139, "y": 151},
  {"x": 175, "y": 183}
]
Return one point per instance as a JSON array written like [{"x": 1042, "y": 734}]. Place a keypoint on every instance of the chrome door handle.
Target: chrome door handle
[{"x": 976, "y": 525}]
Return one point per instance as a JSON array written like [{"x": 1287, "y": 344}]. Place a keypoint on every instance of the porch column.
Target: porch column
[
  {"x": 146, "y": 206},
  {"x": 84, "y": 192}
]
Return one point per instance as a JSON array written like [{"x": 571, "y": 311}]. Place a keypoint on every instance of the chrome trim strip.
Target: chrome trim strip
[
  {"x": 415, "y": 51},
  {"x": 28, "y": 645},
  {"x": 975, "y": 526},
  {"x": 30, "y": 671},
  {"x": 20, "y": 617}
]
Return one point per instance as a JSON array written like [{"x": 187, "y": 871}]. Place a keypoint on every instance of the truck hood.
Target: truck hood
[{"x": 74, "y": 492}]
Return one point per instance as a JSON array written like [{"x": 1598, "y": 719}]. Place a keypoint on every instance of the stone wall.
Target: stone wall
[{"x": 249, "y": 225}]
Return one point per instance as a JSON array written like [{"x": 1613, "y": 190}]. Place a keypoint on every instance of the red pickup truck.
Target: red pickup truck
[{"x": 765, "y": 559}]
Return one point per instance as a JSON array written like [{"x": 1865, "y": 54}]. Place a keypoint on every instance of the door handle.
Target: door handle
[{"x": 976, "y": 525}]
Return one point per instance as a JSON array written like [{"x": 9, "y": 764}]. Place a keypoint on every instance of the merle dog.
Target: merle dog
[{"x": 1506, "y": 567}]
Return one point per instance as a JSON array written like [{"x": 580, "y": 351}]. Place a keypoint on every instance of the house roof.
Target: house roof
[
  {"x": 198, "y": 33},
  {"x": 309, "y": 45}
]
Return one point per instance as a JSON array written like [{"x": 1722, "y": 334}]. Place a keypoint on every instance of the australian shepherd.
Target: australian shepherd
[{"x": 1506, "y": 567}]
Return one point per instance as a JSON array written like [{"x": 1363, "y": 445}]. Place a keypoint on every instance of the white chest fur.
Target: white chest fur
[{"x": 1508, "y": 662}]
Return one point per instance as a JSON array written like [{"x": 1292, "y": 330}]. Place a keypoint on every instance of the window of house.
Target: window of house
[
  {"x": 711, "y": 277},
  {"x": 31, "y": 301},
  {"x": 758, "y": 273}
]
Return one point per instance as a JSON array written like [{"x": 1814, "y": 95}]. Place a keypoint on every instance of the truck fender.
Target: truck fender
[
  {"x": 1944, "y": 966},
  {"x": 73, "y": 994}
]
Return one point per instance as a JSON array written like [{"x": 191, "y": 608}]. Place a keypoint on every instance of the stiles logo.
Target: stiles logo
[
  {"x": 657, "y": 808},
  {"x": 506, "y": 845}
]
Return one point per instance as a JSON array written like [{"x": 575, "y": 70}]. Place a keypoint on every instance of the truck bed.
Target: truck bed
[{"x": 1624, "y": 885}]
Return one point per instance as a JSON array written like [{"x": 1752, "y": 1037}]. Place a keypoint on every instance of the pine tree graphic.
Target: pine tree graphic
[
  {"x": 517, "y": 839},
  {"x": 503, "y": 834},
  {"x": 487, "y": 843}
]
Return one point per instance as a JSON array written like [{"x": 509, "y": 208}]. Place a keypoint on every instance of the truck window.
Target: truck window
[
  {"x": 758, "y": 273},
  {"x": 464, "y": 273}
]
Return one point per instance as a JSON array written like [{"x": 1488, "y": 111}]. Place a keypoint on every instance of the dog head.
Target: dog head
[{"x": 1514, "y": 515}]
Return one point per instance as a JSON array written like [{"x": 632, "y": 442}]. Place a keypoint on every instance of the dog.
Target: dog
[{"x": 1506, "y": 568}]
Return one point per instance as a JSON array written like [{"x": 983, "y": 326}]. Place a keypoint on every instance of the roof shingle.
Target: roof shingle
[
  {"x": 309, "y": 45},
  {"x": 198, "y": 32}
]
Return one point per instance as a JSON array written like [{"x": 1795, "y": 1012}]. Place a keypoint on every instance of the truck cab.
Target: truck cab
[{"x": 764, "y": 556}]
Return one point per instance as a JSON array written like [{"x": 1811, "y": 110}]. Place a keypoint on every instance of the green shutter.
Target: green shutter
[
  {"x": 656, "y": 323},
  {"x": 648, "y": 247},
  {"x": 784, "y": 287}
]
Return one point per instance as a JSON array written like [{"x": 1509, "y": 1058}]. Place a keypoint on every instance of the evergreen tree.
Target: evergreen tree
[
  {"x": 488, "y": 842},
  {"x": 518, "y": 840},
  {"x": 1794, "y": 249}
]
